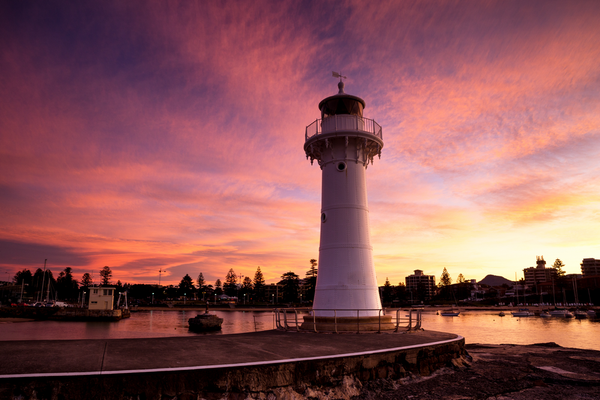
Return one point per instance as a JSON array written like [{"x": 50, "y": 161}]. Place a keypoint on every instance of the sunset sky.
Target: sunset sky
[{"x": 169, "y": 135}]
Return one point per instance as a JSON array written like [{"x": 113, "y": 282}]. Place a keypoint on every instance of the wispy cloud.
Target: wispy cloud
[{"x": 169, "y": 136}]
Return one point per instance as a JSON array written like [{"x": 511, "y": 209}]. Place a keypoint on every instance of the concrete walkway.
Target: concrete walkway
[{"x": 104, "y": 357}]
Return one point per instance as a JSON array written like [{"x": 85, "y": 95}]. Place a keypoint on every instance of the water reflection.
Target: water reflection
[
  {"x": 475, "y": 326},
  {"x": 484, "y": 327}
]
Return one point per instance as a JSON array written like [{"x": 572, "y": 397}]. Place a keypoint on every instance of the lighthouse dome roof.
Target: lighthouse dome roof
[{"x": 341, "y": 103}]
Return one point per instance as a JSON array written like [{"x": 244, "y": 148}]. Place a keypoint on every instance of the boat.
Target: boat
[
  {"x": 579, "y": 314},
  {"x": 501, "y": 314},
  {"x": 205, "y": 322},
  {"x": 591, "y": 313},
  {"x": 545, "y": 314},
  {"x": 523, "y": 312},
  {"x": 561, "y": 313},
  {"x": 449, "y": 313}
]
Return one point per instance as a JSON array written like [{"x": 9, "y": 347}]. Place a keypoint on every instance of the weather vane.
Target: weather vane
[{"x": 335, "y": 74}]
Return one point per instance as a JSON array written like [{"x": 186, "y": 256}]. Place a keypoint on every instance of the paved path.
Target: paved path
[{"x": 93, "y": 357}]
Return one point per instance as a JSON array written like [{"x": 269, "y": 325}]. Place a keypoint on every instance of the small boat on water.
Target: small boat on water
[
  {"x": 579, "y": 314},
  {"x": 545, "y": 314},
  {"x": 591, "y": 313},
  {"x": 501, "y": 314},
  {"x": 523, "y": 312},
  {"x": 561, "y": 313},
  {"x": 205, "y": 322},
  {"x": 449, "y": 313}
]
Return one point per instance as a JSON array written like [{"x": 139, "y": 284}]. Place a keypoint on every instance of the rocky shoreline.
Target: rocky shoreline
[{"x": 519, "y": 372}]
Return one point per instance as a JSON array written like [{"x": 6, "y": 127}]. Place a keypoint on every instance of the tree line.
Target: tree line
[
  {"x": 248, "y": 289},
  {"x": 42, "y": 284}
]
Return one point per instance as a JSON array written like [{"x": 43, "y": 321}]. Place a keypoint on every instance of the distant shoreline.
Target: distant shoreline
[{"x": 426, "y": 309}]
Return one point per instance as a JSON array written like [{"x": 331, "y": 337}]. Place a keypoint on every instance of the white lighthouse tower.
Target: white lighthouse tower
[{"x": 344, "y": 143}]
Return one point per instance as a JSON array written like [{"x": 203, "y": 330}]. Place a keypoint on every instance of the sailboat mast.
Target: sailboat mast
[
  {"x": 517, "y": 288},
  {"x": 48, "y": 291},
  {"x": 41, "y": 295}
]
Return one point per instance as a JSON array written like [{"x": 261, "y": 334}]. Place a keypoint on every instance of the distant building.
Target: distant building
[
  {"x": 274, "y": 293},
  {"x": 539, "y": 274},
  {"x": 421, "y": 283},
  {"x": 477, "y": 292},
  {"x": 101, "y": 298},
  {"x": 590, "y": 267}
]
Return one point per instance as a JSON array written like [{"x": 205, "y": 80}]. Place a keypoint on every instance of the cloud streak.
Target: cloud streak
[{"x": 169, "y": 136}]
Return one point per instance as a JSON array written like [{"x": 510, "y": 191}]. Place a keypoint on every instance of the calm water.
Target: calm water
[{"x": 476, "y": 327}]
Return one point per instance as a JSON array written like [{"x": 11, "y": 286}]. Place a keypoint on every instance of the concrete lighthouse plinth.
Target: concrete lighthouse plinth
[
  {"x": 344, "y": 143},
  {"x": 348, "y": 324}
]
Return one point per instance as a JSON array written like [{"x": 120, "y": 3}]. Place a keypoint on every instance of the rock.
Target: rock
[{"x": 540, "y": 371}]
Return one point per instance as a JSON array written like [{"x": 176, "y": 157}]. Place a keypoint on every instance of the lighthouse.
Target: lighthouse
[{"x": 344, "y": 143}]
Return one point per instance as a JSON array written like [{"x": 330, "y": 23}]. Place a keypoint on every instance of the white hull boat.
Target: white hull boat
[
  {"x": 561, "y": 313},
  {"x": 523, "y": 312}
]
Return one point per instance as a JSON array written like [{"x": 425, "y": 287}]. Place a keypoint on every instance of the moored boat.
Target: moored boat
[
  {"x": 579, "y": 314},
  {"x": 449, "y": 313},
  {"x": 591, "y": 313},
  {"x": 523, "y": 312},
  {"x": 561, "y": 313},
  {"x": 205, "y": 322},
  {"x": 545, "y": 314}
]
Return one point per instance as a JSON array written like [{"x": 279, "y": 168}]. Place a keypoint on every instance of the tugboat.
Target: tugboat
[{"x": 205, "y": 322}]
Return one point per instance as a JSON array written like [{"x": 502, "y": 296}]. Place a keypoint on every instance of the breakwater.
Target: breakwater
[
  {"x": 63, "y": 313},
  {"x": 254, "y": 364}
]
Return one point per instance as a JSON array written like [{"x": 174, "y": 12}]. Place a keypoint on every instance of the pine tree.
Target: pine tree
[
  {"x": 311, "y": 280},
  {"x": 218, "y": 290},
  {"x": 559, "y": 268},
  {"x": 230, "y": 286},
  {"x": 105, "y": 274},
  {"x": 201, "y": 281},
  {"x": 186, "y": 286},
  {"x": 259, "y": 284},
  {"x": 86, "y": 280},
  {"x": 460, "y": 279},
  {"x": 445, "y": 279}
]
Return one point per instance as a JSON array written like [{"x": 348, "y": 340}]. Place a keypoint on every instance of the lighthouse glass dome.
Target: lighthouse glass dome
[{"x": 341, "y": 104}]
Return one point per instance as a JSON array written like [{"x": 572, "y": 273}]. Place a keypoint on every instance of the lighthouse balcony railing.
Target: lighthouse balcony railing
[
  {"x": 290, "y": 319},
  {"x": 343, "y": 123}
]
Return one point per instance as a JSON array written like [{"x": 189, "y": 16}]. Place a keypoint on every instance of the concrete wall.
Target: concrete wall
[{"x": 340, "y": 377}]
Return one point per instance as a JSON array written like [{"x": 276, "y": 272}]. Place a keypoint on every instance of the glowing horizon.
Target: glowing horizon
[{"x": 169, "y": 136}]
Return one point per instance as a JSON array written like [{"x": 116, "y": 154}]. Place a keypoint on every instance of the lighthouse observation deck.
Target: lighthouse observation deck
[
  {"x": 346, "y": 124},
  {"x": 361, "y": 134}
]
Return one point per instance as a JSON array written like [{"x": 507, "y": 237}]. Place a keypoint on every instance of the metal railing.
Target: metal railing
[
  {"x": 407, "y": 323},
  {"x": 340, "y": 123}
]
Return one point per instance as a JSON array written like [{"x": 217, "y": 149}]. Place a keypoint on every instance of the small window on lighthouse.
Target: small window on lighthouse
[
  {"x": 341, "y": 166},
  {"x": 323, "y": 217}
]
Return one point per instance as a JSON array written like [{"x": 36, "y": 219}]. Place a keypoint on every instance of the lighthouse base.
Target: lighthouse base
[{"x": 348, "y": 324}]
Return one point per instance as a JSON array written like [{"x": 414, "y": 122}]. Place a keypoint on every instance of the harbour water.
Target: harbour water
[{"x": 475, "y": 326}]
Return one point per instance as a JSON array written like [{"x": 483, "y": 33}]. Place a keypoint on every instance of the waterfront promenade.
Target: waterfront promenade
[{"x": 250, "y": 362}]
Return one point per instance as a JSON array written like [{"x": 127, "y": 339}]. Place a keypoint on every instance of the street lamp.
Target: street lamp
[
  {"x": 152, "y": 298},
  {"x": 273, "y": 298},
  {"x": 184, "y": 298},
  {"x": 244, "y": 298}
]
